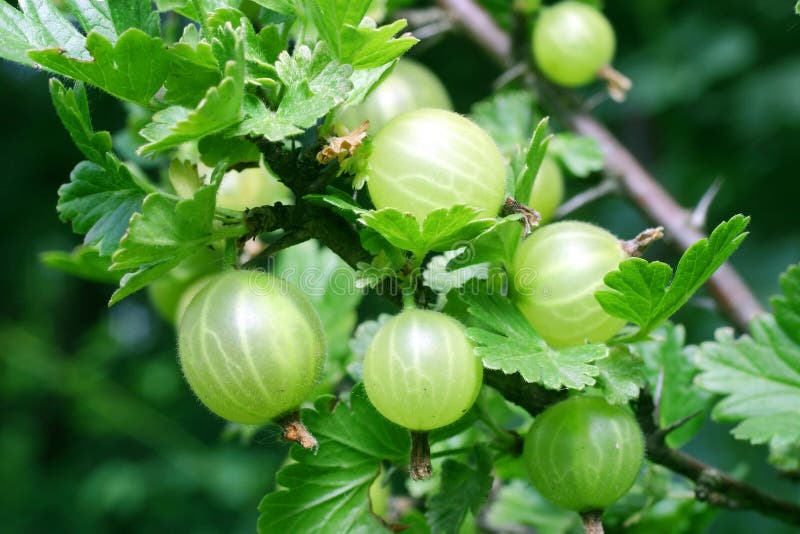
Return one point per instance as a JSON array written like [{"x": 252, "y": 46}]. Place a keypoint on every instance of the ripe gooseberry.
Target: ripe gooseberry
[
  {"x": 556, "y": 272},
  {"x": 410, "y": 86},
  {"x": 429, "y": 159},
  {"x": 420, "y": 371},
  {"x": 584, "y": 454},
  {"x": 548, "y": 190},
  {"x": 571, "y": 42},
  {"x": 251, "y": 346}
]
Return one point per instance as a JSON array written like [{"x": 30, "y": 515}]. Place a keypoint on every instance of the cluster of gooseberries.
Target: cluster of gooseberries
[{"x": 252, "y": 347}]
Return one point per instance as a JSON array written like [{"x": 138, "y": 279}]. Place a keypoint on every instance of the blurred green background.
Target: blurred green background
[{"x": 98, "y": 432}]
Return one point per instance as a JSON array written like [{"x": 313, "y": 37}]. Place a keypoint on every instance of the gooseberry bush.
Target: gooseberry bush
[{"x": 284, "y": 158}]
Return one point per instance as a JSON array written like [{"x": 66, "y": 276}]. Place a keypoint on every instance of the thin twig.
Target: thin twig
[
  {"x": 735, "y": 298},
  {"x": 711, "y": 485}
]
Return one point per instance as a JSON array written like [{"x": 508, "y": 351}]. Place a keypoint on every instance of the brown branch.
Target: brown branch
[
  {"x": 728, "y": 289},
  {"x": 711, "y": 485}
]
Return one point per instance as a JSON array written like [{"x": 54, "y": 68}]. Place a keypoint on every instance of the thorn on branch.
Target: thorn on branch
[
  {"x": 700, "y": 213},
  {"x": 636, "y": 246},
  {"x": 664, "y": 432}
]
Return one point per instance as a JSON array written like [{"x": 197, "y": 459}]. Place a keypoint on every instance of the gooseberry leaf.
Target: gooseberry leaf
[
  {"x": 506, "y": 341},
  {"x": 580, "y": 154},
  {"x": 331, "y": 488},
  {"x": 463, "y": 488},
  {"x": 496, "y": 244},
  {"x": 621, "y": 376},
  {"x": 94, "y": 16},
  {"x": 83, "y": 262},
  {"x": 534, "y": 155},
  {"x": 129, "y": 14},
  {"x": 364, "y": 46},
  {"x": 313, "y": 83},
  {"x": 167, "y": 231},
  {"x": 111, "y": 19},
  {"x": 219, "y": 109},
  {"x": 284, "y": 7},
  {"x": 194, "y": 69},
  {"x": 72, "y": 108},
  {"x": 37, "y": 24},
  {"x": 787, "y": 307},
  {"x": 641, "y": 292},
  {"x": 670, "y": 369},
  {"x": 508, "y": 117},
  {"x": 758, "y": 374},
  {"x": 131, "y": 69},
  {"x": 102, "y": 193},
  {"x": 99, "y": 201},
  {"x": 443, "y": 229}
]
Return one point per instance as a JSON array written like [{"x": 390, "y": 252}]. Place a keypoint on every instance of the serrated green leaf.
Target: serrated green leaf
[
  {"x": 797, "y": 8},
  {"x": 580, "y": 154},
  {"x": 463, "y": 488},
  {"x": 166, "y": 232},
  {"x": 94, "y": 15},
  {"x": 638, "y": 291},
  {"x": 134, "y": 14},
  {"x": 331, "y": 488},
  {"x": 621, "y": 376},
  {"x": 132, "y": 69},
  {"x": 787, "y": 308},
  {"x": 506, "y": 341},
  {"x": 366, "y": 47},
  {"x": 72, "y": 107},
  {"x": 83, "y": 262},
  {"x": 193, "y": 71},
  {"x": 38, "y": 24},
  {"x": 670, "y": 369},
  {"x": 759, "y": 377},
  {"x": 534, "y": 155},
  {"x": 285, "y": 7},
  {"x": 220, "y": 108},
  {"x": 339, "y": 23},
  {"x": 443, "y": 229},
  {"x": 259, "y": 65},
  {"x": 100, "y": 200},
  {"x": 313, "y": 84},
  {"x": 508, "y": 117}
]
